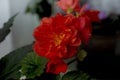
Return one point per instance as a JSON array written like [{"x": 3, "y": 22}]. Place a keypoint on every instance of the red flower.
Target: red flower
[
  {"x": 56, "y": 66},
  {"x": 66, "y": 5},
  {"x": 57, "y": 38},
  {"x": 83, "y": 23}
]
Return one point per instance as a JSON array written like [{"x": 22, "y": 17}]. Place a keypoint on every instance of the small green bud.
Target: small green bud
[{"x": 81, "y": 55}]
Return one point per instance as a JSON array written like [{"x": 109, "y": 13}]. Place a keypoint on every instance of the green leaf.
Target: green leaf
[
  {"x": 6, "y": 28},
  {"x": 33, "y": 65},
  {"x": 58, "y": 77},
  {"x": 9, "y": 64},
  {"x": 74, "y": 75}
]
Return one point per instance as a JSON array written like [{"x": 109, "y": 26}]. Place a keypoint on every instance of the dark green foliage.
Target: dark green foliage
[
  {"x": 33, "y": 65},
  {"x": 6, "y": 28},
  {"x": 74, "y": 75},
  {"x": 48, "y": 76},
  {"x": 10, "y": 64}
]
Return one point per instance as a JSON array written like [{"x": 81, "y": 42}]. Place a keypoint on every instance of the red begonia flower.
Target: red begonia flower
[
  {"x": 65, "y": 5},
  {"x": 56, "y": 66},
  {"x": 85, "y": 17},
  {"x": 55, "y": 37},
  {"x": 59, "y": 37}
]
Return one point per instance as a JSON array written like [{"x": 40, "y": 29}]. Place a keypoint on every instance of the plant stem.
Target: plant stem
[{"x": 72, "y": 61}]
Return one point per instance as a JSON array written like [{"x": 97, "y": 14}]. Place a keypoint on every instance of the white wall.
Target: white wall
[
  {"x": 24, "y": 24},
  {"x": 6, "y": 45},
  {"x": 109, "y": 6},
  {"x": 23, "y": 27}
]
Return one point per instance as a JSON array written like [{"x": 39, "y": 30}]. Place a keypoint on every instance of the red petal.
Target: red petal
[
  {"x": 71, "y": 51},
  {"x": 56, "y": 66},
  {"x": 93, "y": 15}
]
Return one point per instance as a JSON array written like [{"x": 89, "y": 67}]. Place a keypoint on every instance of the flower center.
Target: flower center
[
  {"x": 69, "y": 10},
  {"x": 58, "y": 39}
]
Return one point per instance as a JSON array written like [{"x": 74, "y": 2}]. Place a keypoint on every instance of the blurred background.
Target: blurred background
[
  {"x": 103, "y": 49},
  {"x": 23, "y": 26}
]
